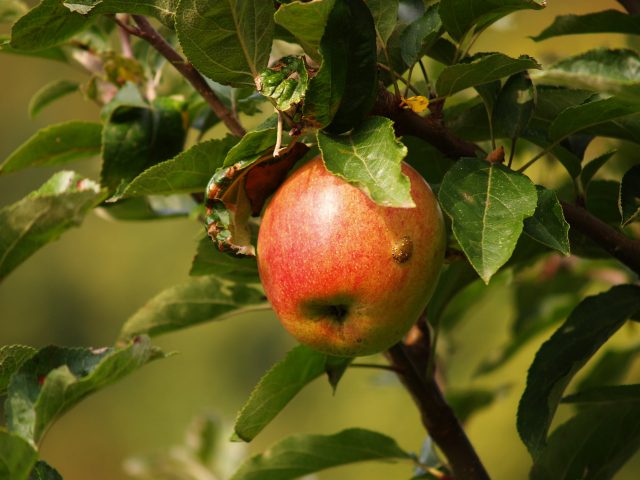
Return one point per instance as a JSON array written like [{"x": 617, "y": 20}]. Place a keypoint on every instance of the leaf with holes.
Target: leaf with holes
[{"x": 56, "y": 378}]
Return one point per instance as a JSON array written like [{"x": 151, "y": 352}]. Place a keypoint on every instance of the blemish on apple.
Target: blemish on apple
[{"x": 402, "y": 250}]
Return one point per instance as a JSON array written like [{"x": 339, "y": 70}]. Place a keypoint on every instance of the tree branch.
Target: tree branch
[
  {"x": 146, "y": 31},
  {"x": 434, "y": 132},
  {"x": 631, "y": 6},
  {"x": 616, "y": 244},
  {"x": 410, "y": 359},
  {"x": 428, "y": 128}
]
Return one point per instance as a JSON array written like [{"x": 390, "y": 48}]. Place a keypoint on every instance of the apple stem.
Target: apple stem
[{"x": 410, "y": 360}]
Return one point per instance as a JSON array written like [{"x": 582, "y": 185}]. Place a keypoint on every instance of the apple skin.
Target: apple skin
[{"x": 344, "y": 275}]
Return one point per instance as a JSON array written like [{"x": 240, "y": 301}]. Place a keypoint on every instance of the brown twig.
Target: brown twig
[
  {"x": 616, "y": 244},
  {"x": 430, "y": 129},
  {"x": 146, "y": 31},
  {"x": 410, "y": 359}
]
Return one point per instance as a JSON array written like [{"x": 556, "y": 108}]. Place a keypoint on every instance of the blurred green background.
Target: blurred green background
[{"x": 80, "y": 289}]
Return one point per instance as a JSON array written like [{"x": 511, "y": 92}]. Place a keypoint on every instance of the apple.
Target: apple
[{"x": 344, "y": 275}]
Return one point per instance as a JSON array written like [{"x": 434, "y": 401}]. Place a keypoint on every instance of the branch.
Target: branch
[
  {"x": 434, "y": 132},
  {"x": 428, "y": 128},
  {"x": 437, "y": 416},
  {"x": 146, "y": 31},
  {"x": 631, "y": 6},
  {"x": 616, "y": 244}
]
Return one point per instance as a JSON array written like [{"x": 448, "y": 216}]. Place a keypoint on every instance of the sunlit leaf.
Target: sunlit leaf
[
  {"x": 17, "y": 456},
  {"x": 200, "y": 299},
  {"x": 487, "y": 204},
  {"x": 370, "y": 158},
  {"x": 277, "y": 387},
  {"x": 300, "y": 455},
  {"x": 481, "y": 69},
  {"x": 227, "y": 41},
  {"x": 56, "y": 145}
]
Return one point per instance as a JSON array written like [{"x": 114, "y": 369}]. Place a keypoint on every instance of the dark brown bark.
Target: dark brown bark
[{"x": 410, "y": 360}]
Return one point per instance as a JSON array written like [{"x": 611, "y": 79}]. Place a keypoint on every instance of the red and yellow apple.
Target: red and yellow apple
[{"x": 344, "y": 275}]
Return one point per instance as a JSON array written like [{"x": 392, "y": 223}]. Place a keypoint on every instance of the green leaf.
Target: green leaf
[
  {"x": 49, "y": 93},
  {"x": 209, "y": 260},
  {"x": 153, "y": 207},
  {"x": 42, "y": 471},
  {"x": 571, "y": 162},
  {"x": 592, "y": 445},
  {"x": 188, "y": 172},
  {"x": 136, "y": 138},
  {"x": 53, "y": 53},
  {"x": 47, "y": 25},
  {"x": 480, "y": 69},
  {"x": 277, "y": 388},
  {"x": 610, "y": 394},
  {"x": 56, "y": 145},
  {"x": 581, "y": 117},
  {"x": 11, "y": 358},
  {"x": 56, "y": 378},
  {"x": 460, "y": 16},
  {"x": 515, "y": 105},
  {"x": 487, "y": 204},
  {"x": 630, "y": 196},
  {"x": 306, "y": 21},
  {"x": 300, "y": 455},
  {"x": 591, "y": 168},
  {"x": 343, "y": 91},
  {"x": 11, "y": 10},
  {"x": 370, "y": 158},
  {"x": 602, "y": 70},
  {"x": 251, "y": 147},
  {"x": 43, "y": 215},
  {"x": 607, "y": 21},
  {"x": 199, "y": 300},
  {"x": 547, "y": 225},
  {"x": 17, "y": 456},
  {"x": 228, "y": 41},
  {"x": 588, "y": 327},
  {"x": 420, "y": 35},
  {"x": 385, "y": 17},
  {"x": 286, "y": 82}
]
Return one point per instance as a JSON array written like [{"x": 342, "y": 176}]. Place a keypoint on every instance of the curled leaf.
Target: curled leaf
[{"x": 286, "y": 82}]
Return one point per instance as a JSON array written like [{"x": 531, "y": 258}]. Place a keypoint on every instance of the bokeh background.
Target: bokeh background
[{"x": 80, "y": 289}]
